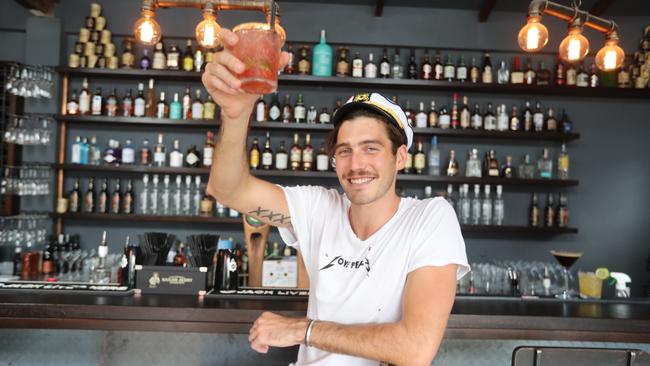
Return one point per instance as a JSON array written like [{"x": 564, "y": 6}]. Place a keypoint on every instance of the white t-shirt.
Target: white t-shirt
[{"x": 355, "y": 281}]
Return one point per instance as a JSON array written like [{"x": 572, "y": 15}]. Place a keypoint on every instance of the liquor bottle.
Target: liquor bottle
[
  {"x": 116, "y": 198},
  {"x": 304, "y": 65},
  {"x": 594, "y": 78},
  {"x": 128, "y": 153},
  {"x": 508, "y": 171},
  {"x": 177, "y": 192},
  {"x": 322, "y": 159},
  {"x": 307, "y": 154},
  {"x": 173, "y": 58},
  {"x": 281, "y": 158},
  {"x": 622, "y": 77},
  {"x": 538, "y": 118},
  {"x": 254, "y": 155},
  {"x": 560, "y": 72},
  {"x": 498, "y": 208},
  {"x": 94, "y": 152},
  {"x": 455, "y": 122},
  {"x": 112, "y": 154},
  {"x": 267, "y": 154},
  {"x": 571, "y": 75},
  {"x": 582, "y": 77},
  {"x": 72, "y": 107},
  {"x": 187, "y": 104},
  {"x": 516, "y": 76},
  {"x": 412, "y": 72},
  {"x": 343, "y": 65},
  {"x": 566, "y": 126},
  {"x": 514, "y": 124},
  {"x": 475, "y": 217},
  {"x": 397, "y": 71},
  {"x": 477, "y": 118},
  {"x": 162, "y": 109},
  {"x": 502, "y": 118},
  {"x": 75, "y": 156},
  {"x": 290, "y": 67},
  {"x": 188, "y": 57},
  {"x": 180, "y": 260},
  {"x": 296, "y": 153},
  {"x": 426, "y": 70},
  {"x": 563, "y": 212},
  {"x": 432, "y": 117},
  {"x": 551, "y": 123},
  {"x": 384, "y": 65},
  {"x": 101, "y": 274},
  {"x": 175, "y": 108},
  {"x": 527, "y": 116},
  {"x": 503, "y": 74},
  {"x": 486, "y": 207},
  {"x": 127, "y": 105},
  {"x": 419, "y": 159},
  {"x": 474, "y": 72},
  {"x": 208, "y": 149},
  {"x": 144, "y": 196},
  {"x": 543, "y": 75},
  {"x": 128, "y": 58},
  {"x": 110, "y": 108},
  {"x": 473, "y": 165},
  {"x": 489, "y": 120},
  {"x": 464, "y": 204},
  {"x": 461, "y": 70},
  {"x": 193, "y": 157},
  {"x": 159, "y": 58},
  {"x": 533, "y": 212},
  {"x": 322, "y": 64},
  {"x": 73, "y": 198},
  {"x": 274, "y": 110},
  {"x": 153, "y": 196},
  {"x": 490, "y": 164},
  {"x": 530, "y": 76},
  {"x": 187, "y": 208},
  {"x": 165, "y": 200},
  {"x": 545, "y": 166},
  {"x": 324, "y": 116},
  {"x": 176, "y": 156},
  {"x": 410, "y": 115},
  {"x": 549, "y": 212},
  {"x": 449, "y": 71},
  {"x": 127, "y": 199},
  {"x": 299, "y": 111},
  {"x": 444, "y": 118},
  {"x": 526, "y": 170},
  {"x": 486, "y": 75},
  {"x": 452, "y": 165},
  {"x": 199, "y": 59},
  {"x": 85, "y": 147},
  {"x": 370, "y": 70},
  {"x": 151, "y": 103},
  {"x": 197, "y": 106},
  {"x": 102, "y": 199},
  {"x": 421, "y": 120},
  {"x": 84, "y": 98},
  {"x": 89, "y": 197},
  {"x": 563, "y": 164},
  {"x": 287, "y": 110},
  {"x": 312, "y": 114},
  {"x": 145, "y": 154},
  {"x": 160, "y": 153},
  {"x": 139, "y": 103},
  {"x": 438, "y": 68},
  {"x": 145, "y": 61}
]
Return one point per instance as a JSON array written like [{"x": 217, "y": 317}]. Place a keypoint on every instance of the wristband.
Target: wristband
[{"x": 308, "y": 333}]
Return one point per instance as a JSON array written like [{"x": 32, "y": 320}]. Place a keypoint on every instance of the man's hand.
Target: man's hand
[
  {"x": 220, "y": 81},
  {"x": 277, "y": 331}
]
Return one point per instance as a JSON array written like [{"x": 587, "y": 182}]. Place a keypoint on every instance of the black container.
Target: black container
[{"x": 226, "y": 276}]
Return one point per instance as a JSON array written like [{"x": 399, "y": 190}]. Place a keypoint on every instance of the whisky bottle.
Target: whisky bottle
[
  {"x": 384, "y": 65},
  {"x": 281, "y": 158},
  {"x": 560, "y": 72},
  {"x": 116, "y": 198},
  {"x": 517, "y": 76},
  {"x": 486, "y": 76},
  {"x": 563, "y": 212},
  {"x": 275, "y": 110},
  {"x": 261, "y": 110},
  {"x": 514, "y": 124},
  {"x": 151, "y": 103},
  {"x": 176, "y": 156},
  {"x": 474, "y": 72},
  {"x": 538, "y": 118},
  {"x": 563, "y": 164},
  {"x": 412, "y": 71},
  {"x": 433, "y": 115},
  {"x": 477, "y": 118},
  {"x": 343, "y": 65},
  {"x": 465, "y": 115},
  {"x": 127, "y": 105},
  {"x": 96, "y": 103},
  {"x": 287, "y": 110},
  {"x": 452, "y": 165},
  {"x": 188, "y": 57},
  {"x": 299, "y": 111},
  {"x": 254, "y": 155},
  {"x": 526, "y": 170},
  {"x": 455, "y": 122},
  {"x": 549, "y": 212},
  {"x": 449, "y": 71},
  {"x": 139, "y": 103},
  {"x": 551, "y": 122},
  {"x": 128, "y": 58},
  {"x": 530, "y": 76},
  {"x": 193, "y": 157},
  {"x": 533, "y": 212},
  {"x": 461, "y": 70},
  {"x": 89, "y": 197},
  {"x": 473, "y": 165},
  {"x": 173, "y": 58},
  {"x": 209, "y": 108},
  {"x": 296, "y": 153},
  {"x": 397, "y": 71},
  {"x": 438, "y": 68},
  {"x": 491, "y": 165},
  {"x": 128, "y": 153},
  {"x": 408, "y": 165},
  {"x": 290, "y": 67},
  {"x": 267, "y": 154},
  {"x": 197, "y": 106},
  {"x": 73, "y": 198},
  {"x": 127, "y": 199},
  {"x": 324, "y": 116},
  {"x": 444, "y": 118},
  {"x": 207, "y": 205},
  {"x": 162, "y": 109},
  {"x": 545, "y": 166},
  {"x": 543, "y": 75},
  {"x": 160, "y": 153},
  {"x": 571, "y": 75},
  {"x": 421, "y": 117},
  {"x": 426, "y": 70},
  {"x": 101, "y": 274},
  {"x": 502, "y": 118},
  {"x": 527, "y": 117},
  {"x": 594, "y": 78},
  {"x": 322, "y": 159},
  {"x": 72, "y": 107},
  {"x": 145, "y": 154},
  {"x": 208, "y": 149},
  {"x": 419, "y": 160},
  {"x": 102, "y": 200},
  {"x": 84, "y": 98},
  {"x": 508, "y": 171},
  {"x": 110, "y": 108},
  {"x": 410, "y": 115},
  {"x": 304, "y": 65},
  {"x": 370, "y": 70},
  {"x": 582, "y": 77},
  {"x": 489, "y": 120},
  {"x": 307, "y": 154}
]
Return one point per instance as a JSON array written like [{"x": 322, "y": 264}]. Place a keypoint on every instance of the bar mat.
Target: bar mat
[
  {"x": 73, "y": 288},
  {"x": 259, "y": 293}
]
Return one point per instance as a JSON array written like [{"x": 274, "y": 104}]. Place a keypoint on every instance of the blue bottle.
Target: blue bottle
[
  {"x": 83, "y": 151},
  {"x": 175, "y": 108},
  {"x": 322, "y": 63}
]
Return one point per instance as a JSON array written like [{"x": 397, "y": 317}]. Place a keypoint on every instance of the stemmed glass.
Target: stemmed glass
[{"x": 566, "y": 260}]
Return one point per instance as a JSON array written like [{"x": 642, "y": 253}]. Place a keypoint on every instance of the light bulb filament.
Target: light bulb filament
[
  {"x": 574, "y": 49},
  {"x": 146, "y": 31},
  {"x": 532, "y": 39},
  {"x": 610, "y": 60}
]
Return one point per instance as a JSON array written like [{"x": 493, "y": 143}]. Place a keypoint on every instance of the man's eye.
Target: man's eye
[
  {"x": 343, "y": 152},
  {"x": 372, "y": 149}
]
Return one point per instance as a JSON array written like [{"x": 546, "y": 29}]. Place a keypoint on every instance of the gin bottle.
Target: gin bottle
[
  {"x": 144, "y": 195},
  {"x": 476, "y": 206},
  {"x": 486, "y": 207},
  {"x": 164, "y": 197},
  {"x": 102, "y": 274},
  {"x": 153, "y": 198},
  {"x": 176, "y": 197},
  {"x": 499, "y": 207}
]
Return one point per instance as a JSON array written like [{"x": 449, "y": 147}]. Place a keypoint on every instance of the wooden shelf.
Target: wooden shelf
[
  {"x": 356, "y": 83},
  {"x": 137, "y": 169},
  {"x": 467, "y": 229},
  {"x": 317, "y": 127}
]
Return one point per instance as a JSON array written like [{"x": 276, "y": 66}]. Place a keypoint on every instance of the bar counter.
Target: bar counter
[{"x": 472, "y": 317}]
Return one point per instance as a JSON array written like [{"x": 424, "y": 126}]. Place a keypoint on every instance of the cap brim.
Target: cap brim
[{"x": 340, "y": 114}]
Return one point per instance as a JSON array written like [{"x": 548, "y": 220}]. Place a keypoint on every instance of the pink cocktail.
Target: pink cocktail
[{"x": 259, "y": 49}]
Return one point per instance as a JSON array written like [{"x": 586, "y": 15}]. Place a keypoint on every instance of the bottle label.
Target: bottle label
[
  {"x": 342, "y": 68},
  {"x": 192, "y": 159},
  {"x": 172, "y": 61},
  {"x": 109, "y": 158},
  {"x": 409, "y": 161},
  {"x": 563, "y": 163},
  {"x": 322, "y": 162},
  {"x": 207, "y": 155},
  {"x": 303, "y": 66},
  {"x": 76, "y": 154},
  {"x": 421, "y": 120},
  {"x": 128, "y": 156},
  {"x": 175, "y": 159},
  {"x": 322, "y": 62},
  {"x": 260, "y": 112},
  {"x": 84, "y": 103},
  {"x": 538, "y": 121},
  {"x": 427, "y": 69},
  {"x": 299, "y": 113},
  {"x": 208, "y": 110},
  {"x": 307, "y": 156},
  {"x": 159, "y": 61},
  {"x": 449, "y": 72},
  {"x": 444, "y": 121},
  {"x": 461, "y": 73},
  {"x": 296, "y": 155},
  {"x": 419, "y": 161},
  {"x": 206, "y": 207},
  {"x": 465, "y": 119},
  {"x": 438, "y": 72},
  {"x": 357, "y": 68},
  {"x": 371, "y": 71},
  {"x": 159, "y": 158},
  {"x": 72, "y": 107},
  {"x": 267, "y": 159},
  {"x": 385, "y": 69},
  {"x": 324, "y": 118},
  {"x": 281, "y": 161},
  {"x": 188, "y": 64},
  {"x": 255, "y": 159},
  {"x": 274, "y": 113},
  {"x": 139, "y": 108},
  {"x": 311, "y": 116},
  {"x": 487, "y": 75},
  {"x": 197, "y": 110},
  {"x": 477, "y": 121}
]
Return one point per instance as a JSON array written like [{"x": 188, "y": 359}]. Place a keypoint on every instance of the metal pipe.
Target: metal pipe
[
  {"x": 261, "y": 5},
  {"x": 567, "y": 13}
]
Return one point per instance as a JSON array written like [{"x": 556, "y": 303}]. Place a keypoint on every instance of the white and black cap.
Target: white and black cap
[{"x": 380, "y": 104}]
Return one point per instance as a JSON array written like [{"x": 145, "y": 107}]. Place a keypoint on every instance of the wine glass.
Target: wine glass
[{"x": 566, "y": 260}]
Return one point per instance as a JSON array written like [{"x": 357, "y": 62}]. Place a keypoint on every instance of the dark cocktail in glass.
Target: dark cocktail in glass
[{"x": 566, "y": 259}]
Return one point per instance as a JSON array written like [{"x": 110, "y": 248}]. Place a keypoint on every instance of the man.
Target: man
[{"x": 382, "y": 268}]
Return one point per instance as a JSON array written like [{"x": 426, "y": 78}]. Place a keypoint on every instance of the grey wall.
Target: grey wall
[{"x": 609, "y": 206}]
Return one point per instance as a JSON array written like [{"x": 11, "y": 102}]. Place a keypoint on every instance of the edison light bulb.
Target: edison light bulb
[
  {"x": 533, "y": 36},
  {"x": 147, "y": 30},
  {"x": 611, "y": 56},
  {"x": 574, "y": 46},
  {"x": 207, "y": 31}
]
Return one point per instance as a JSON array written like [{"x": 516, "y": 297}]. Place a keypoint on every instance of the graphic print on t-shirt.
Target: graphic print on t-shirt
[{"x": 342, "y": 262}]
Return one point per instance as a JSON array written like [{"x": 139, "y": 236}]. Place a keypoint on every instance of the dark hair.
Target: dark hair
[{"x": 393, "y": 132}]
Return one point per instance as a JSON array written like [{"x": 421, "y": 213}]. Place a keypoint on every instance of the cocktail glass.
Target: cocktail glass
[{"x": 566, "y": 259}]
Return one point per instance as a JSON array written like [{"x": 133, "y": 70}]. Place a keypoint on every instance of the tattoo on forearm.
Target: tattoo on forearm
[{"x": 270, "y": 215}]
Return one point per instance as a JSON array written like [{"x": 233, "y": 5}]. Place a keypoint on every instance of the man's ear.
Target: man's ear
[{"x": 400, "y": 158}]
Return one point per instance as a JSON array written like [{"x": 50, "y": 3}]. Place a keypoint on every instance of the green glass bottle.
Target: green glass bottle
[{"x": 322, "y": 63}]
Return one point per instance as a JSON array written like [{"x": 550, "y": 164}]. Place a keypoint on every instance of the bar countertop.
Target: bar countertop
[{"x": 472, "y": 317}]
